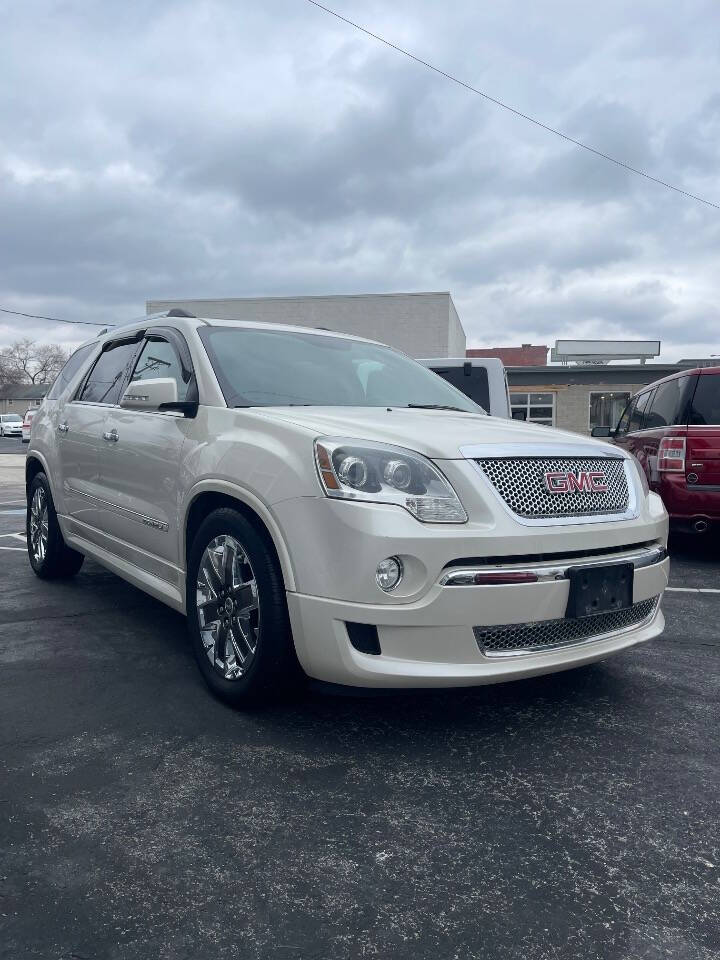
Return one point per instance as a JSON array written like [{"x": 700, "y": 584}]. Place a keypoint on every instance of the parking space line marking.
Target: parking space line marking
[
  {"x": 691, "y": 590},
  {"x": 21, "y": 549},
  {"x": 12, "y": 535}
]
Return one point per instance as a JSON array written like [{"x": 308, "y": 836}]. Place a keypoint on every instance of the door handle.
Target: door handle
[
  {"x": 63, "y": 428},
  {"x": 111, "y": 436}
]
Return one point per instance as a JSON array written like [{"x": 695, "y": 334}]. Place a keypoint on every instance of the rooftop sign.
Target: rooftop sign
[{"x": 603, "y": 351}]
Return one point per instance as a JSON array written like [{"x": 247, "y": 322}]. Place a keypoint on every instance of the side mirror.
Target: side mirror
[
  {"x": 602, "y": 432},
  {"x": 149, "y": 395}
]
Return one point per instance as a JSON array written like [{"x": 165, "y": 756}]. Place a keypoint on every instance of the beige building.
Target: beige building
[
  {"x": 579, "y": 398},
  {"x": 420, "y": 324}
]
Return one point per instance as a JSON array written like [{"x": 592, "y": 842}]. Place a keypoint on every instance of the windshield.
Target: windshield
[
  {"x": 12, "y": 418},
  {"x": 261, "y": 368}
]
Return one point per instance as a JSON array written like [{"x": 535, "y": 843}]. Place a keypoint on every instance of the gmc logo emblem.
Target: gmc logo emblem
[{"x": 586, "y": 481}]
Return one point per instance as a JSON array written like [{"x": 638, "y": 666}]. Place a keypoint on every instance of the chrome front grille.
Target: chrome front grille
[
  {"x": 520, "y": 481},
  {"x": 518, "y": 638}
]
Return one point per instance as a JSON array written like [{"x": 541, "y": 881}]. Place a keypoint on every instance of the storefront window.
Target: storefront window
[
  {"x": 534, "y": 407},
  {"x": 606, "y": 408}
]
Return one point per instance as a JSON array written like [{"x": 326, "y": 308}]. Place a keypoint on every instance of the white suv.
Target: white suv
[{"x": 322, "y": 505}]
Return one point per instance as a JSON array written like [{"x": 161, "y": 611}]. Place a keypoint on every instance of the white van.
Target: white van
[{"x": 483, "y": 379}]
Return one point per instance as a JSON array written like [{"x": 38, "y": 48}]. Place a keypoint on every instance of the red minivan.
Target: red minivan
[{"x": 673, "y": 428}]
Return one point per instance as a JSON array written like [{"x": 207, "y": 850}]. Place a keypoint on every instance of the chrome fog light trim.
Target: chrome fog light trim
[{"x": 389, "y": 573}]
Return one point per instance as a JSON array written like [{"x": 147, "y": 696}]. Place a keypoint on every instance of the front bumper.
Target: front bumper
[{"x": 431, "y": 643}]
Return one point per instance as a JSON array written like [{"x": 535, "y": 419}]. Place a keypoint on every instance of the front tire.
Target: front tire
[
  {"x": 237, "y": 612},
  {"x": 50, "y": 557}
]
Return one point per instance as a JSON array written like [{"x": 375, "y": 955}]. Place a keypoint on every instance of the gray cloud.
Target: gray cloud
[{"x": 215, "y": 149}]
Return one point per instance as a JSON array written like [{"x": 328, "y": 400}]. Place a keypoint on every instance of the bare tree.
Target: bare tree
[{"x": 27, "y": 361}]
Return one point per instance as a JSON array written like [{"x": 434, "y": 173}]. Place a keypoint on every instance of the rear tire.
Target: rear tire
[
  {"x": 237, "y": 612},
  {"x": 50, "y": 557}
]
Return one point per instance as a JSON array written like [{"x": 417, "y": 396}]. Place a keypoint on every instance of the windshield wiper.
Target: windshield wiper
[{"x": 435, "y": 406}]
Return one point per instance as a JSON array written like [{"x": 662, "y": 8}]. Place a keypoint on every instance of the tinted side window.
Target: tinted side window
[
  {"x": 669, "y": 404},
  {"x": 624, "y": 421},
  {"x": 158, "y": 359},
  {"x": 69, "y": 370},
  {"x": 108, "y": 375},
  {"x": 637, "y": 417},
  {"x": 706, "y": 402}
]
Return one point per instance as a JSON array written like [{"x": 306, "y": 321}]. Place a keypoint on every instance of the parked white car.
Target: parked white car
[
  {"x": 10, "y": 425},
  {"x": 320, "y": 504},
  {"x": 27, "y": 424}
]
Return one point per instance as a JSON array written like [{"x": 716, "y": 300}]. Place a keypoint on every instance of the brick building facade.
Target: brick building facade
[{"x": 526, "y": 355}]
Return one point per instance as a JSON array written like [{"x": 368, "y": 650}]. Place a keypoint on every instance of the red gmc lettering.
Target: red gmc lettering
[
  {"x": 597, "y": 482},
  {"x": 591, "y": 481},
  {"x": 556, "y": 482}
]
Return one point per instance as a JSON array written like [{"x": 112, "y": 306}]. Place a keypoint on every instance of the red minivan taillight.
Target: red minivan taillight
[{"x": 671, "y": 455}]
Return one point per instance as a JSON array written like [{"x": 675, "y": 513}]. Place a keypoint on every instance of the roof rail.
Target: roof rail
[{"x": 175, "y": 312}]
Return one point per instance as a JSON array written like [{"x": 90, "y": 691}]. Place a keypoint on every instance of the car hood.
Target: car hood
[{"x": 438, "y": 434}]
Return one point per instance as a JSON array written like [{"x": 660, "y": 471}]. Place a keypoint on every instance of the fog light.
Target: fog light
[{"x": 389, "y": 573}]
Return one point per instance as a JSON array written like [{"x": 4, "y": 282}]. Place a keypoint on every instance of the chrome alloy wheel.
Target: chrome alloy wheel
[
  {"x": 39, "y": 525},
  {"x": 227, "y": 606}
]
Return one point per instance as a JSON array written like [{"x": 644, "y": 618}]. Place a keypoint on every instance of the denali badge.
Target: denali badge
[{"x": 585, "y": 481}]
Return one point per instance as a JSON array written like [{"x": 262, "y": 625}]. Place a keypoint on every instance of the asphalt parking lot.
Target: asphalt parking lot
[
  {"x": 569, "y": 816},
  {"x": 12, "y": 445}
]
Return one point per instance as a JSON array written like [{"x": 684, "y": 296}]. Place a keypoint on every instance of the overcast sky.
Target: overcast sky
[{"x": 167, "y": 149}]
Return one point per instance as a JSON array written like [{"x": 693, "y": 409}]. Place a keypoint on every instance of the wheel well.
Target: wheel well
[
  {"x": 206, "y": 502},
  {"x": 32, "y": 468}
]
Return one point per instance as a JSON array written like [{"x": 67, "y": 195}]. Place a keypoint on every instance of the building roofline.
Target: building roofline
[
  {"x": 561, "y": 369},
  {"x": 23, "y": 391},
  {"x": 289, "y": 297}
]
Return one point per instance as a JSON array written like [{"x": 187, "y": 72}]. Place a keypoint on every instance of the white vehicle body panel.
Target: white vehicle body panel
[{"x": 126, "y": 502}]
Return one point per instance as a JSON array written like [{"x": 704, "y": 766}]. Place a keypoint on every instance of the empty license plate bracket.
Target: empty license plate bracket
[{"x": 600, "y": 589}]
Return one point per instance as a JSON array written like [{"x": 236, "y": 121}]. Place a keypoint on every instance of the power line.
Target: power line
[
  {"x": 37, "y": 316},
  {"x": 518, "y": 113}
]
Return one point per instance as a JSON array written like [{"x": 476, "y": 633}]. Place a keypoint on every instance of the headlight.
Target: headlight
[{"x": 362, "y": 470}]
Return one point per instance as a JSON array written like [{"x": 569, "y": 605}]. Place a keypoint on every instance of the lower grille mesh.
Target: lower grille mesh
[{"x": 546, "y": 634}]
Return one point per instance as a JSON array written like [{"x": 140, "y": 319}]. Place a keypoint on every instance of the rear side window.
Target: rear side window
[
  {"x": 473, "y": 385},
  {"x": 69, "y": 370},
  {"x": 705, "y": 408},
  {"x": 669, "y": 404},
  {"x": 109, "y": 373}
]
